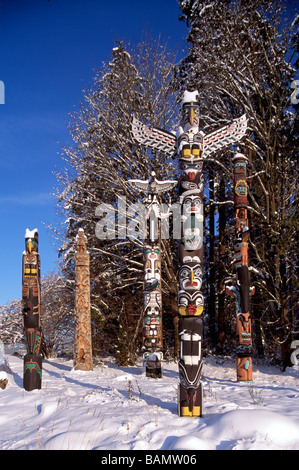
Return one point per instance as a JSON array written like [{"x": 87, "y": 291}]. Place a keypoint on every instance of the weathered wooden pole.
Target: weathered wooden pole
[{"x": 83, "y": 344}]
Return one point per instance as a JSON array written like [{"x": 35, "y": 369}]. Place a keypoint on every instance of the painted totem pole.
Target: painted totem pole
[
  {"x": 242, "y": 289},
  {"x": 190, "y": 254},
  {"x": 31, "y": 300},
  {"x": 191, "y": 146},
  {"x": 83, "y": 345},
  {"x": 152, "y": 292}
]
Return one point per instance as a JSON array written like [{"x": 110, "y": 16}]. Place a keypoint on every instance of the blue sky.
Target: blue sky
[{"x": 48, "y": 50}]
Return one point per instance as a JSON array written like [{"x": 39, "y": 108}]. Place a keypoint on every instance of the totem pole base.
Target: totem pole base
[
  {"x": 153, "y": 365},
  {"x": 32, "y": 379},
  {"x": 244, "y": 369},
  {"x": 190, "y": 401}
]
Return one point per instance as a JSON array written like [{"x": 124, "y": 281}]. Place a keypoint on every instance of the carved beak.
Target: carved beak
[{"x": 191, "y": 115}]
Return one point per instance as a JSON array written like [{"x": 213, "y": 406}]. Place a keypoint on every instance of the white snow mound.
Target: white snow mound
[{"x": 118, "y": 408}]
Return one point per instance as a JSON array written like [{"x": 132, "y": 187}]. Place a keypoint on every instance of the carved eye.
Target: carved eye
[
  {"x": 198, "y": 272},
  {"x": 183, "y": 302},
  {"x": 184, "y": 273},
  {"x": 199, "y": 301}
]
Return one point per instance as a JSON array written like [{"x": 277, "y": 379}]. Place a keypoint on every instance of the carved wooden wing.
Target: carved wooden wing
[
  {"x": 140, "y": 185},
  {"x": 158, "y": 187},
  {"x": 154, "y": 137},
  {"x": 164, "y": 186},
  {"x": 227, "y": 135}
]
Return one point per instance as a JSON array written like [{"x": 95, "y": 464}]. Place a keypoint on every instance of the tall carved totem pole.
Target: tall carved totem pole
[
  {"x": 191, "y": 146},
  {"x": 31, "y": 300},
  {"x": 83, "y": 345},
  {"x": 242, "y": 289},
  {"x": 190, "y": 254},
  {"x": 152, "y": 289}
]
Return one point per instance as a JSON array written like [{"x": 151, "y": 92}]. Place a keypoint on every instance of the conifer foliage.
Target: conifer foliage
[
  {"x": 101, "y": 160},
  {"x": 241, "y": 59}
]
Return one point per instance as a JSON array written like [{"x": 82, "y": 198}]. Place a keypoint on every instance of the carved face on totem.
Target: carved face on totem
[
  {"x": 152, "y": 274},
  {"x": 31, "y": 241},
  {"x": 81, "y": 242},
  {"x": 242, "y": 223},
  {"x": 190, "y": 145},
  {"x": 243, "y": 329},
  {"x": 190, "y": 299},
  {"x": 240, "y": 166},
  {"x": 190, "y": 303},
  {"x": 152, "y": 307},
  {"x": 190, "y": 116},
  {"x": 241, "y": 188},
  {"x": 192, "y": 222},
  {"x": 191, "y": 177},
  {"x": 192, "y": 205},
  {"x": 190, "y": 275},
  {"x": 240, "y": 182}
]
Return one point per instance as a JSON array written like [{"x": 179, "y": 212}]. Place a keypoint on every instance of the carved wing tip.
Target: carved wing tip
[{"x": 243, "y": 120}]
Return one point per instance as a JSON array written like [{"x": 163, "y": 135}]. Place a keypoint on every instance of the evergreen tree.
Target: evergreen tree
[
  {"x": 102, "y": 158},
  {"x": 241, "y": 59},
  {"x": 57, "y": 318}
]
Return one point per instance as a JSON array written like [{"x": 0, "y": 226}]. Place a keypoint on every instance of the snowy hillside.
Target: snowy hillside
[{"x": 114, "y": 408}]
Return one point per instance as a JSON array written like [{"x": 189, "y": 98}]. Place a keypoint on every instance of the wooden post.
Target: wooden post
[{"x": 83, "y": 346}]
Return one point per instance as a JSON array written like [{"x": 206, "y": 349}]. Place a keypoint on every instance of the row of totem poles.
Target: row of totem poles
[
  {"x": 32, "y": 310},
  {"x": 191, "y": 147}
]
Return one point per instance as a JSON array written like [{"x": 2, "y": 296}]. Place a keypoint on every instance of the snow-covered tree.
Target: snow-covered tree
[
  {"x": 241, "y": 59},
  {"x": 57, "y": 317},
  {"x": 11, "y": 329},
  {"x": 102, "y": 157}
]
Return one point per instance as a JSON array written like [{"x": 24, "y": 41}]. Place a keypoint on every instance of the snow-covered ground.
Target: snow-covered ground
[{"x": 114, "y": 408}]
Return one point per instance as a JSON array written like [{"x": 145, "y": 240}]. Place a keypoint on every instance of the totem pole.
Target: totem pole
[
  {"x": 190, "y": 255},
  {"x": 31, "y": 301},
  {"x": 191, "y": 146},
  {"x": 83, "y": 345},
  {"x": 152, "y": 290},
  {"x": 242, "y": 289}
]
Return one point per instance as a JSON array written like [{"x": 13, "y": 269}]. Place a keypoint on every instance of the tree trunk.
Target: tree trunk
[
  {"x": 222, "y": 249},
  {"x": 212, "y": 277}
]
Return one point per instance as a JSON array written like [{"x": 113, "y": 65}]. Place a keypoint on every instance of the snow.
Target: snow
[
  {"x": 3, "y": 375},
  {"x": 190, "y": 97},
  {"x": 118, "y": 408},
  {"x": 30, "y": 233},
  {"x": 238, "y": 156}
]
